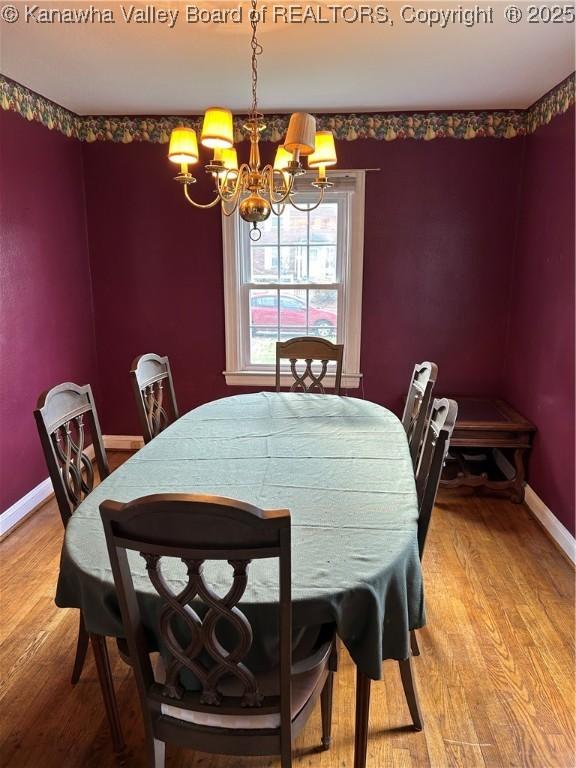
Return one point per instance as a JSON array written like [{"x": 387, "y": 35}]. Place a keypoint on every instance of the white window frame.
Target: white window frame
[{"x": 350, "y": 239}]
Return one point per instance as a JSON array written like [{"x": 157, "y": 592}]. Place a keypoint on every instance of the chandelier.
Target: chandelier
[{"x": 255, "y": 192}]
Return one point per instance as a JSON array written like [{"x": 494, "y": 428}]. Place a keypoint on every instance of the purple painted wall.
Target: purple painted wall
[
  {"x": 540, "y": 354},
  {"x": 47, "y": 333},
  {"x": 438, "y": 248},
  {"x": 157, "y": 278}
]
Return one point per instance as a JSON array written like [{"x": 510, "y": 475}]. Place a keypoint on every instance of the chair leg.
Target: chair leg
[
  {"x": 410, "y": 693},
  {"x": 100, "y": 650},
  {"x": 363, "y": 685},
  {"x": 156, "y": 753},
  {"x": 81, "y": 651},
  {"x": 286, "y": 757},
  {"x": 285, "y": 740},
  {"x": 414, "y": 643},
  {"x": 326, "y": 710}
]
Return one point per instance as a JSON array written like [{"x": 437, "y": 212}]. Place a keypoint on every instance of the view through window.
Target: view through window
[{"x": 293, "y": 279}]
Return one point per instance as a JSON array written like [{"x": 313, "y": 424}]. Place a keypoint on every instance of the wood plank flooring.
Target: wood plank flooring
[{"x": 496, "y": 674}]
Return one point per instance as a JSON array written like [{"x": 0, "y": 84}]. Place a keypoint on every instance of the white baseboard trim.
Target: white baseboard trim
[
  {"x": 29, "y": 503},
  {"x": 553, "y": 527},
  {"x": 39, "y": 495}
]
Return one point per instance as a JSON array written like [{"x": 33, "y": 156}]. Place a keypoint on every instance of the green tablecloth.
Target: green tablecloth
[{"x": 342, "y": 468}]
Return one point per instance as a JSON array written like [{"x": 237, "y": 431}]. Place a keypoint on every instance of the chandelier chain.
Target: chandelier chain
[{"x": 256, "y": 51}]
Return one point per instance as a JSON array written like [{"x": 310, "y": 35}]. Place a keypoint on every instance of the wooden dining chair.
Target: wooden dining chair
[
  {"x": 235, "y": 711},
  {"x": 432, "y": 457},
  {"x": 154, "y": 392},
  {"x": 416, "y": 409},
  {"x": 309, "y": 350},
  {"x": 67, "y": 424}
]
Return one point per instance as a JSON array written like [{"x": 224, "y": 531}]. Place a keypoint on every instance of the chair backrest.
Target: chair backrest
[
  {"x": 154, "y": 392},
  {"x": 67, "y": 420},
  {"x": 309, "y": 349},
  {"x": 432, "y": 457},
  {"x": 417, "y": 405},
  {"x": 197, "y": 529}
]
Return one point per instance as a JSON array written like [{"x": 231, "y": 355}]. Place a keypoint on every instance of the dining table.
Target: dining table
[{"x": 341, "y": 465}]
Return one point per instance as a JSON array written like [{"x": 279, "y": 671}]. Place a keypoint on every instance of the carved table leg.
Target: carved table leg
[
  {"x": 520, "y": 466},
  {"x": 362, "y": 711},
  {"x": 100, "y": 650}
]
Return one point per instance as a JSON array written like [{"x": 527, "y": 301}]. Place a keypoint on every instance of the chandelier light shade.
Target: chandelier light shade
[
  {"x": 183, "y": 146},
  {"x": 324, "y": 150},
  {"x": 217, "y": 129},
  {"x": 282, "y": 159},
  {"x": 228, "y": 158},
  {"x": 300, "y": 134},
  {"x": 254, "y": 192},
  {"x": 324, "y": 153},
  {"x": 282, "y": 162}
]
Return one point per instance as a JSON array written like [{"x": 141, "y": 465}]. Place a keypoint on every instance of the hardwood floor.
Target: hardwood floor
[{"x": 495, "y": 675}]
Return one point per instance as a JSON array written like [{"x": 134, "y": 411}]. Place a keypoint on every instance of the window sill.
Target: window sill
[{"x": 268, "y": 378}]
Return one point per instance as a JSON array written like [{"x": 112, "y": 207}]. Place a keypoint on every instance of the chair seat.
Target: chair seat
[{"x": 303, "y": 686}]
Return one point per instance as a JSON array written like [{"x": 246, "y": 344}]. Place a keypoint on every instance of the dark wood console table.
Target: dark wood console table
[{"x": 489, "y": 448}]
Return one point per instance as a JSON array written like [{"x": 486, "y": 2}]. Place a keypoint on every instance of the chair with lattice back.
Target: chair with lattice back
[
  {"x": 154, "y": 392},
  {"x": 417, "y": 406},
  {"x": 432, "y": 457},
  {"x": 302, "y": 352},
  {"x": 69, "y": 432},
  {"x": 234, "y": 710}
]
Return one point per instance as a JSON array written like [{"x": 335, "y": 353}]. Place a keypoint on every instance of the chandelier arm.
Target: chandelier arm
[
  {"x": 283, "y": 196},
  {"x": 280, "y": 210},
  {"x": 235, "y": 192},
  {"x": 310, "y": 208},
  {"x": 200, "y": 205},
  {"x": 230, "y": 212}
]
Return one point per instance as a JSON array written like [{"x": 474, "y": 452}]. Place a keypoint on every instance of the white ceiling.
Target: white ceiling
[{"x": 134, "y": 69}]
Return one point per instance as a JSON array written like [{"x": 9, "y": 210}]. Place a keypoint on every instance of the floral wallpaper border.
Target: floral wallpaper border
[{"x": 386, "y": 126}]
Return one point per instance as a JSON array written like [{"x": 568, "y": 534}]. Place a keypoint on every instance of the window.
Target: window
[{"x": 302, "y": 278}]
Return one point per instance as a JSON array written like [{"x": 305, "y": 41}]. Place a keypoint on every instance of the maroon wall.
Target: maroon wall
[
  {"x": 540, "y": 354},
  {"x": 157, "y": 277},
  {"x": 46, "y": 328},
  {"x": 438, "y": 248}
]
